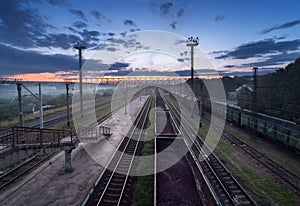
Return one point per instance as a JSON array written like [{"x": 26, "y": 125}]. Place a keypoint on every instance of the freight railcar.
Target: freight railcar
[{"x": 277, "y": 129}]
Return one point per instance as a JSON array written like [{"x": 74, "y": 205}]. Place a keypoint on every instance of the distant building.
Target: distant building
[{"x": 244, "y": 88}]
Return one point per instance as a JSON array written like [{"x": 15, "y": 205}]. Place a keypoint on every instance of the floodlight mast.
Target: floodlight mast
[
  {"x": 80, "y": 47},
  {"x": 192, "y": 42}
]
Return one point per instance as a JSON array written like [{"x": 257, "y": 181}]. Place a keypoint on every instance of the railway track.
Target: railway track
[
  {"x": 225, "y": 187},
  {"x": 11, "y": 176},
  {"x": 289, "y": 177},
  {"x": 114, "y": 183}
]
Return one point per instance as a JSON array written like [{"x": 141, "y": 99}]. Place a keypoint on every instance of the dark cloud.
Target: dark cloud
[
  {"x": 274, "y": 60},
  {"x": 111, "y": 34},
  {"x": 97, "y": 14},
  {"x": 281, "y": 26},
  {"x": 261, "y": 48},
  {"x": 229, "y": 66},
  {"x": 61, "y": 40},
  {"x": 78, "y": 13},
  {"x": 60, "y": 3},
  {"x": 165, "y": 7},
  {"x": 219, "y": 18},
  {"x": 173, "y": 24},
  {"x": 119, "y": 66},
  {"x": 20, "y": 24},
  {"x": 111, "y": 49},
  {"x": 182, "y": 59},
  {"x": 89, "y": 38},
  {"x": 33, "y": 62},
  {"x": 129, "y": 22},
  {"x": 134, "y": 30},
  {"x": 180, "y": 12},
  {"x": 79, "y": 24},
  {"x": 246, "y": 73}
]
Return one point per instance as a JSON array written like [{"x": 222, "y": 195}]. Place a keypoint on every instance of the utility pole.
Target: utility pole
[
  {"x": 41, "y": 107},
  {"x": 19, "y": 88},
  {"x": 255, "y": 99},
  {"x": 80, "y": 47},
  {"x": 201, "y": 104},
  {"x": 125, "y": 98},
  {"x": 68, "y": 82}
]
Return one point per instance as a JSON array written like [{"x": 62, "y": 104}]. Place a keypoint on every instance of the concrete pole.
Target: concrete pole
[
  {"x": 80, "y": 83},
  {"x": 255, "y": 99},
  {"x": 192, "y": 67},
  {"x": 41, "y": 107},
  {"x": 80, "y": 47},
  {"x": 192, "y": 79},
  {"x": 140, "y": 91},
  {"x": 68, "y": 160},
  {"x": 19, "y": 88},
  {"x": 125, "y": 96},
  {"x": 68, "y": 107}
]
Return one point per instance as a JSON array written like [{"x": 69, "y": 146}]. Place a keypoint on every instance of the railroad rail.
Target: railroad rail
[
  {"x": 225, "y": 186},
  {"x": 286, "y": 175},
  {"x": 115, "y": 181},
  {"x": 12, "y": 175}
]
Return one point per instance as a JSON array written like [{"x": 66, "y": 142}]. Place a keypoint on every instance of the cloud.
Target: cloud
[
  {"x": 165, "y": 7},
  {"x": 281, "y": 26},
  {"x": 180, "y": 12},
  {"x": 219, "y": 18},
  {"x": 20, "y": 24},
  {"x": 111, "y": 34},
  {"x": 129, "y": 22},
  {"x": 78, "y": 13},
  {"x": 97, "y": 14},
  {"x": 173, "y": 24},
  {"x": 260, "y": 48},
  {"x": 246, "y": 73},
  {"x": 79, "y": 24},
  {"x": 274, "y": 60},
  {"x": 119, "y": 66},
  {"x": 229, "y": 66},
  {"x": 61, "y": 40},
  {"x": 60, "y": 3},
  {"x": 33, "y": 62}
]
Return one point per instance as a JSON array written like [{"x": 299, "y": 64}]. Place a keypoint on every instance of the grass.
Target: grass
[
  {"x": 144, "y": 188},
  {"x": 262, "y": 187},
  {"x": 265, "y": 191}
]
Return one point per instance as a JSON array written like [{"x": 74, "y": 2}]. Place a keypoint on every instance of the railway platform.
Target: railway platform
[{"x": 50, "y": 184}]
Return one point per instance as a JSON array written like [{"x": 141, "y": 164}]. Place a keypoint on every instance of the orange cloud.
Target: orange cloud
[{"x": 42, "y": 77}]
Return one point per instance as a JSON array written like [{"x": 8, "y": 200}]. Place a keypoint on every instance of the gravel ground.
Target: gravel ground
[{"x": 176, "y": 186}]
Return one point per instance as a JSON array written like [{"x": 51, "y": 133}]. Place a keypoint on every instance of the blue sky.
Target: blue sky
[{"x": 37, "y": 35}]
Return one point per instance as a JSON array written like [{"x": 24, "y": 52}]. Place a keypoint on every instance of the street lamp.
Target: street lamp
[{"x": 80, "y": 47}]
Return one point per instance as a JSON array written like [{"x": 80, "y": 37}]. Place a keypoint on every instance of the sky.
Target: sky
[{"x": 37, "y": 36}]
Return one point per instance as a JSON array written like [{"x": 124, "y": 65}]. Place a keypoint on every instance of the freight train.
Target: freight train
[{"x": 279, "y": 130}]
